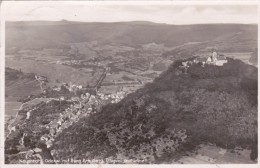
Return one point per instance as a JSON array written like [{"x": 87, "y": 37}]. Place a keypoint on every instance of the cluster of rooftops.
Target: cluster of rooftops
[{"x": 214, "y": 59}]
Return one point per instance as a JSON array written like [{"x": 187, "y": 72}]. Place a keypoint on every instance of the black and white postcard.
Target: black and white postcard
[{"x": 133, "y": 83}]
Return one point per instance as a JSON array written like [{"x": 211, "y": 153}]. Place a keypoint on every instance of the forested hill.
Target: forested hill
[
  {"x": 172, "y": 115},
  {"x": 39, "y": 35}
]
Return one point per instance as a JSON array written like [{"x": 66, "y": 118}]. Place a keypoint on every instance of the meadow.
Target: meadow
[{"x": 54, "y": 72}]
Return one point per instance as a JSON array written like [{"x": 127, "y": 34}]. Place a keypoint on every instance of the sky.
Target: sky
[{"x": 107, "y": 12}]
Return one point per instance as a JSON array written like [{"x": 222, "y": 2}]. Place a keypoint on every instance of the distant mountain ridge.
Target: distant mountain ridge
[{"x": 45, "y": 34}]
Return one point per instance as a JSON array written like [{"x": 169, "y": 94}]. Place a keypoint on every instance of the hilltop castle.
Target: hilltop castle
[{"x": 214, "y": 59}]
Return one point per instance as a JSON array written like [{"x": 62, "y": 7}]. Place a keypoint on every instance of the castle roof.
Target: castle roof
[{"x": 202, "y": 59}]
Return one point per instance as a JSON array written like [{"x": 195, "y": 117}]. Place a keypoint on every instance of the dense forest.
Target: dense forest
[{"x": 170, "y": 116}]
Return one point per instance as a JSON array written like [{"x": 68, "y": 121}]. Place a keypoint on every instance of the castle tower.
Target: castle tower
[{"x": 214, "y": 56}]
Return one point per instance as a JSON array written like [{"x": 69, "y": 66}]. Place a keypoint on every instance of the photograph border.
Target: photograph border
[{"x": 6, "y": 4}]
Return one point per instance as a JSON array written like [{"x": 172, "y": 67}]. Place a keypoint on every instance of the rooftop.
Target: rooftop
[{"x": 202, "y": 59}]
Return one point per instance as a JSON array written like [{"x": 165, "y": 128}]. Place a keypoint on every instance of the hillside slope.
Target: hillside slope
[
  {"x": 174, "y": 114},
  {"x": 19, "y": 84}
]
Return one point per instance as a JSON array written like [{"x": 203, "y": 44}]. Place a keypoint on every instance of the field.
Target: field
[
  {"x": 11, "y": 107},
  {"x": 21, "y": 88},
  {"x": 53, "y": 72},
  {"x": 243, "y": 56},
  {"x": 16, "y": 89}
]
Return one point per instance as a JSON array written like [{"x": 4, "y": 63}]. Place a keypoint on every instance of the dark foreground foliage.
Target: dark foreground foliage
[{"x": 170, "y": 116}]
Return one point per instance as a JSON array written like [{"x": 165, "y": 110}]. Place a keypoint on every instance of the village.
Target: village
[{"x": 83, "y": 105}]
